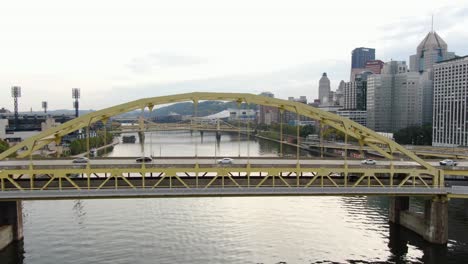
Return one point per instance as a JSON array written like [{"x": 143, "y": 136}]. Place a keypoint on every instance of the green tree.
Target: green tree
[
  {"x": 3, "y": 146},
  {"x": 414, "y": 135}
]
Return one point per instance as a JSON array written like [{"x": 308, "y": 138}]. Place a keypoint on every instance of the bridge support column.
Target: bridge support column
[
  {"x": 432, "y": 225},
  {"x": 11, "y": 222}
]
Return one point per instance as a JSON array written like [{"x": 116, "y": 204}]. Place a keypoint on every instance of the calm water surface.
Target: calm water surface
[{"x": 226, "y": 230}]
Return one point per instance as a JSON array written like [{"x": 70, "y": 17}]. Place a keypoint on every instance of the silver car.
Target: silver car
[
  {"x": 448, "y": 162},
  {"x": 368, "y": 162},
  {"x": 225, "y": 161}
]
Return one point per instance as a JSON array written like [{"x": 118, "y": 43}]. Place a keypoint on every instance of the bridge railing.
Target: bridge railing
[{"x": 88, "y": 178}]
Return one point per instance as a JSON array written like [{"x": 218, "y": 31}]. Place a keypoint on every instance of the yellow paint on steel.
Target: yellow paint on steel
[{"x": 364, "y": 135}]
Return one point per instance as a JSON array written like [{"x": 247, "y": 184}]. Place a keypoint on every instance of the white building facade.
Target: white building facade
[
  {"x": 450, "y": 123},
  {"x": 357, "y": 116}
]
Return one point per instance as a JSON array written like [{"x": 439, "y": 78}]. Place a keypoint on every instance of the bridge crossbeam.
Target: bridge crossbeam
[{"x": 212, "y": 177}]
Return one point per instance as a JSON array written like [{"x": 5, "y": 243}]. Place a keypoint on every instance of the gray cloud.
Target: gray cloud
[
  {"x": 399, "y": 40},
  {"x": 148, "y": 63},
  {"x": 301, "y": 80}
]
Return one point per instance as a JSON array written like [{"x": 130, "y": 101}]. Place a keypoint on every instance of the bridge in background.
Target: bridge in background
[
  {"x": 193, "y": 124},
  {"x": 400, "y": 173}
]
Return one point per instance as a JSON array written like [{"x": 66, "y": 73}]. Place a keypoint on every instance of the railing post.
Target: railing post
[{"x": 281, "y": 131}]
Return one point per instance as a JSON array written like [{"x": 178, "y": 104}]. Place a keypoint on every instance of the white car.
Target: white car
[
  {"x": 225, "y": 161},
  {"x": 368, "y": 162},
  {"x": 448, "y": 162}
]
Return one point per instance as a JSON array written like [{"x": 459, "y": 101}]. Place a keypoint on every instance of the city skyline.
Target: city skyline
[{"x": 43, "y": 68}]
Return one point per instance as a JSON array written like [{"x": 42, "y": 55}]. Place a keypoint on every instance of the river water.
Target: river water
[{"x": 226, "y": 230}]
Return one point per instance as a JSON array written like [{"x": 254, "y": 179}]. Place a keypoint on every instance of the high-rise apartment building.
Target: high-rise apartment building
[
  {"x": 324, "y": 90},
  {"x": 450, "y": 126},
  {"x": 394, "y": 98},
  {"x": 349, "y": 95},
  {"x": 359, "y": 58},
  {"x": 355, "y": 92}
]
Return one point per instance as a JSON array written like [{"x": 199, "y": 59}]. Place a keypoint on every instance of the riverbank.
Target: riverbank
[
  {"x": 284, "y": 142},
  {"x": 109, "y": 148}
]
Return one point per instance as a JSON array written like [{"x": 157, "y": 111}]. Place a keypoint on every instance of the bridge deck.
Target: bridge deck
[{"x": 216, "y": 192}]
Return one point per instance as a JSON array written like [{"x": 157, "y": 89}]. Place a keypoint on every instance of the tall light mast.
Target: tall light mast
[
  {"x": 16, "y": 93},
  {"x": 76, "y": 96}
]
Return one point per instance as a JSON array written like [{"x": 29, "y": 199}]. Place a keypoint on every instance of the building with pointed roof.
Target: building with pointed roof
[
  {"x": 431, "y": 50},
  {"x": 324, "y": 90}
]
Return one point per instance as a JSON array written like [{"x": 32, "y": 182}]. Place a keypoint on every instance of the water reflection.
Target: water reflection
[{"x": 226, "y": 230}]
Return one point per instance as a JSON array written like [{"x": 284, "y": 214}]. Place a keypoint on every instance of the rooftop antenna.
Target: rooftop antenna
[{"x": 432, "y": 24}]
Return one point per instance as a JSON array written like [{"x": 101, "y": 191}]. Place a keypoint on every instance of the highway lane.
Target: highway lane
[{"x": 274, "y": 162}]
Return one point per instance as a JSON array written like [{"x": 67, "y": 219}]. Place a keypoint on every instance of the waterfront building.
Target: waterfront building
[
  {"x": 241, "y": 114},
  {"x": 450, "y": 126},
  {"x": 268, "y": 114}
]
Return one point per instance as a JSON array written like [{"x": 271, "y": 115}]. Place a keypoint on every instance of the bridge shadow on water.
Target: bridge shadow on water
[{"x": 13, "y": 254}]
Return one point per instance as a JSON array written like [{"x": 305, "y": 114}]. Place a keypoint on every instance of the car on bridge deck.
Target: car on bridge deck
[
  {"x": 448, "y": 162},
  {"x": 81, "y": 160},
  {"x": 368, "y": 162},
  {"x": 225, "y": 161},
  {"x": 144, "y": 159}
]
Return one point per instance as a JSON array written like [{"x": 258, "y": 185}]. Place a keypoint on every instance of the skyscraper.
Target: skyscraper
[
  {"x": 450, "y": 127},
  {"x": 359, "y": 58},
  {"x": 394, "y": 98},
  {"x": 355, "y": 92},
  {"x": 324, "y": 89},
  {"x": 431, "y": 50}
]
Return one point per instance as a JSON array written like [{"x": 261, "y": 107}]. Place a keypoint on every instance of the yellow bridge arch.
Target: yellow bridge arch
[{"x": 365, "y": 136}]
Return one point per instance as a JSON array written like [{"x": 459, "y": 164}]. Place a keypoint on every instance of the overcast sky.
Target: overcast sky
[{"x": 117, "y": 51}]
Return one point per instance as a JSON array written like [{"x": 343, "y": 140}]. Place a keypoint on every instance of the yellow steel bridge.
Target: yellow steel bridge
[{"x": 26, "y": 177}]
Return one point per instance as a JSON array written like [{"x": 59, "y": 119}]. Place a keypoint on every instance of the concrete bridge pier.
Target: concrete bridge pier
[
  {"x": 432, "y": 225},
  {"x": 201, "y": 136},
  {"x": 11, "y": 222}
]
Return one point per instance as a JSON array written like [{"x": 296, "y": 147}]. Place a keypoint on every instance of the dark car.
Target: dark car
[
  {"x": 81, "y": 160},
  {"x": 144, "y": 159}
]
